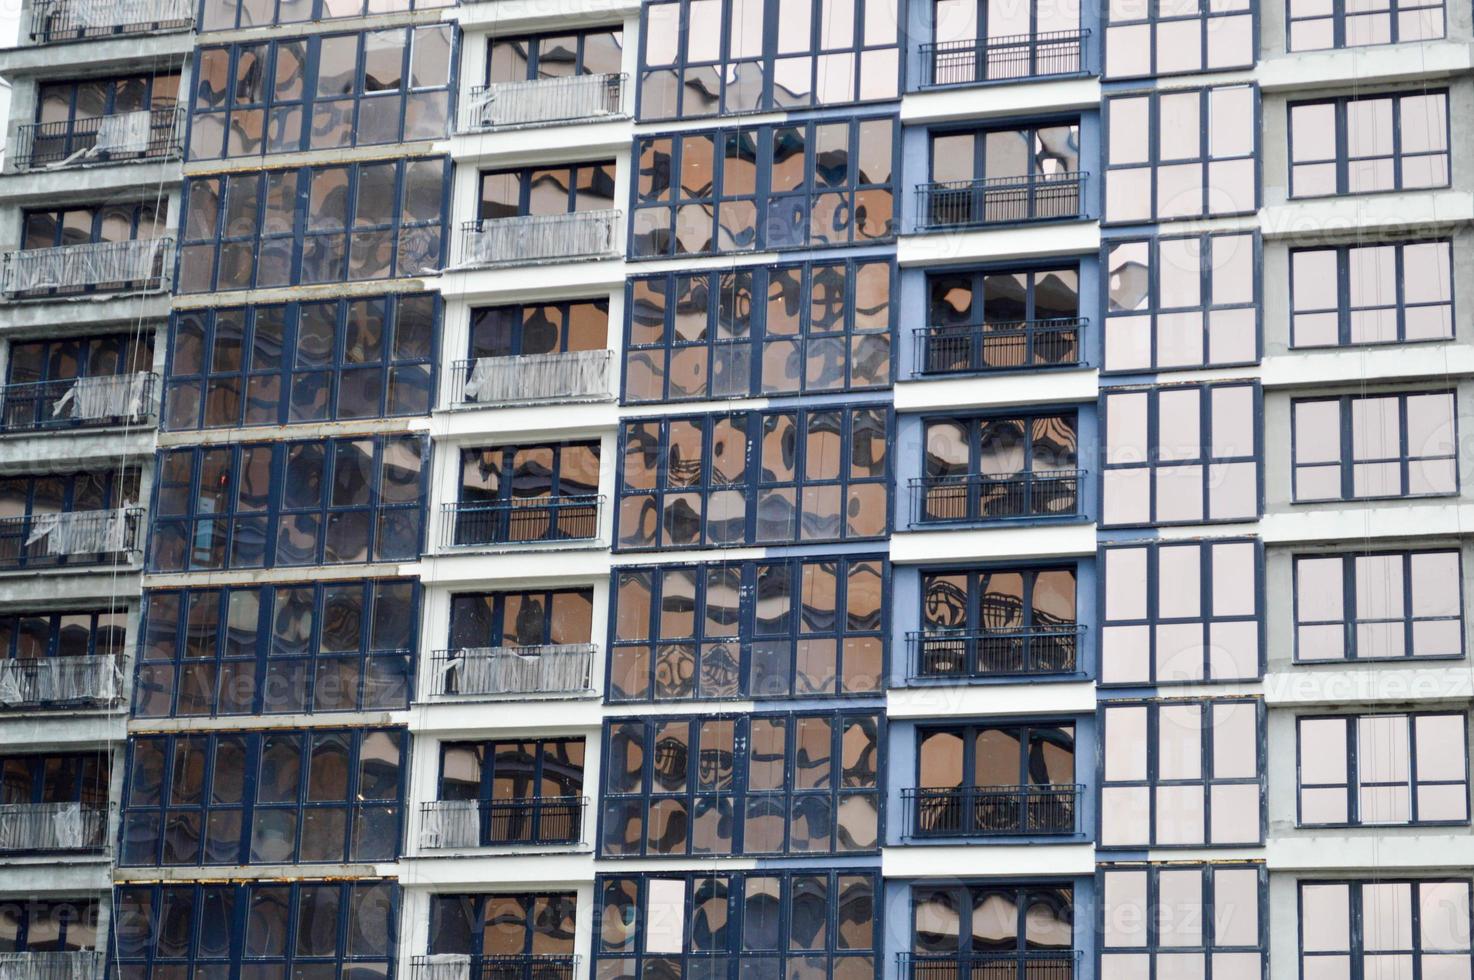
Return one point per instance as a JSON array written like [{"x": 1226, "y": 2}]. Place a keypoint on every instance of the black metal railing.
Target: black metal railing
[
  {"x": 142, "y": 264},
  {"x": 1014, "y": 651},
  {"x": 78, "y": 403},
  {"x": 54, "y": 964},
  {"x": 481, "y": 671},
  {"x": 531, "y": 238},
  {"x": 990, "y": 811},
  {"x": 53, "y": 21},
  {"x": 979, "y": 497},
  {"x": 490, "y": 823},
  {"x": 543, "y": 101},
  {"x": 57, "y": 682},
  {"x": 1000, "y": 200},
  {"x": 52, "y": 827},
  {"x": 967, "y": 348},
  {"x": 522, "y": 520},
  {"x": 533, "y": 966},
  {"x": 100, "y": 139},
  {"x": 1034, "y": 964},
  {"x": 996, "y": 59},
  {"x": 72, "y": 538},
  {"x": 531, "y": 379}
]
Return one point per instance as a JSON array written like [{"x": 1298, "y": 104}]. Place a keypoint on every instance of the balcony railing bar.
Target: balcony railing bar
[
  {"x": 530, "y": 379},
  {"x": 999, "y": 346},
  {"x": 147, "y": 134},
  {"x": 493, "y": 823},
  {"x": 522, "y": 520},
  {"x": 485, "y": 671},
  {"x": 1035, "y": 964},
  {"x": 60, "y": 681},
  {"x": 79, "y": 403},
  {"x": 1000, "y": 200},
  {"x": 543, "y": 102},
  {"x": 995, "y": 652},
  {"x": 453, "y": 966},
  {"x": 979, "y": 497},
  {"x": 142, "y": 264},
  {"x": 991, "y": 811},
  {"x": 53, "y": 21},
  {"x": 86, "y": 537},
  {"x": 537, "y": 238},
  {"x": 52, "y": 827},
  {"x": 996, "y": 59}
]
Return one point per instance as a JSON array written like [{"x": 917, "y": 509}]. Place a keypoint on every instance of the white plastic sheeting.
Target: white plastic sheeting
[
  {"x": 59, "y": 680},
  {"x": 546, "y": 100},
  {"x": 538, "y": 377},
  {"x": 519, "y": 670},
  {"x": 540, "y": 237},
  {"x": 124, "y": 132},
  {"x": 451, "y": 823},
  {"x": 443, "y": 966},
  {"x": 92, "y": 264},
  {"x": 118, "y": 13},
  {"x": 51, "y": 826},
  {"x": 52, "y": 965},
  {"x": 82, "y": 532},
  {"x": 114, "y": 396}
]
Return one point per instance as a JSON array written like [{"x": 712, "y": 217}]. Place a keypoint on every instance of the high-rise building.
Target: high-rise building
[{"x": 736, "y": 490}]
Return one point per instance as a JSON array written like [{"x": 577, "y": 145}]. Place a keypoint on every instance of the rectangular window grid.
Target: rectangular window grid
[
  {"x": 1369, "y": 770},
  {"x": 1362, "y": 144},
  {"x": 1378, "y": 606},
  {"x": 1316, "y": 25},
  {"x": 1347, "y": 295},
  {"x": 1367, "y": 446},
  {"x": 1161, "y": 922},
  {"x": 1384, "y": 928},
  {"x": 1145, "y": 38}
]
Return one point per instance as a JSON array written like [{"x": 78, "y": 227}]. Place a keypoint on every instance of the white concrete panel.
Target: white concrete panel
[
  {"x": 998, "y": 244},
  {"x": 951, "y": 700},
  {"x": 998, "y": 390},
  {"x": 962, "y": 544},
  {"x": 988, "y": 860}
]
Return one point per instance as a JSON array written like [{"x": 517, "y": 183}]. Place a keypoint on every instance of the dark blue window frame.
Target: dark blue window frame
[
  {"x": 162, "y": 930},
  {"x": 731, "y": 650},
  {"x": 750, "y": 786},
  {"x": 1158, "y": 457},
  {"x": 1345, "y": 310},
  {"x": 224, "y": 15},
  {"x": 56, "y": 777},
  {"x": 1352, "y": 788},
  {"x": 479, "y": 925},
  {"x": 38, "y": 635},
  {"x": 1146, "y": 631},
  {"x": 838, "y": 195},
  {"x": 1146, "y": 30},
  {"x": 585, "y": 183},
  {"x": 978, "y": 945},
  {"x": 738, "y": 346},
  {"x": 542, "y": 618},
  {"x": 258, "y": 526},
  {"x": 526, "y": 791},
  {"x": 252, "y": 798},
  {"x": 1207, "y": 915},
  {"x": 147, "y": 216},
  {"x": 68, "y": 924},
  {"x": 1347, "y": 463},
  {"x": 509, "y": 331},
  {"x": 1394, "y": 16},
  {"x": 300, "y": 362},
  {"x": 283, "y": 649},
  {"x": 740, "y": 923},
  {"x": 256, "y": 229},
  {"x": 748, "y": 491},
  {"x": 572, "y": 60},
  {"x": 1359, "y": 920},
  {"x": 1338, "y": 155},
  {"x": 1351, "y": 619}
]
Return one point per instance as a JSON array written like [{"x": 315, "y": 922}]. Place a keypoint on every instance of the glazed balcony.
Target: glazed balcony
[
  {"x": 521, "y": 521},
  {"x": 79, "y": 403},
  {"x": 127, "y": 137},
  {"x": 1005, "y": 651},
  {"x": 980, "y": 348},
  {"x": 136, "y": 265},
  {"x": 1011, "y": 58},
  {"x": 981, "y": 498},
  {"x": 995, "y": 201},
  {"x": 991, "y": 811}
]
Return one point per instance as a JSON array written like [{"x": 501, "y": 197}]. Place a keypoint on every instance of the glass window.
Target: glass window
[
  {"x": 1182, "y": 612},
  {"x": 543, "y": 328},
  {"x": 95, "y": 224},
  {"x": 806, "y": 784},
  {"x": 982, "y": 41},
  {"x": 1356, "y": 447},
  {"x": 547, "y": 190},
  {"x": 1181, "y": 455},
  {"x": 528, "y": 493},
  {"x": 279, "y": 797},
  {"x": 371, "y": 220},
  {"x": 1377, "y": 606},
  {"x": 264, "y": 505},
  {"x": 1356, "y": 145},
  {"x": 564, "y": 55},
  {"x": 1182, "y": 154},
  {"x": 224, "y": 15},
  {"x": 48, "y": 925},
  {"x": 499, "y": 926},
  {"x": 1146, "y": 38},
  {"x": 821, "y": 183},
  {"x": 1182, "y": 773},
  {"x": 1347, "y": 295},
  {"x": 1383, "y": 769},
  {"x": 998, "y": 622},
  {"x": 998, "y": 176},
  {"x": 819, "y": 921},
  {"x": 1182, "y": 302},
  {"x": 754, "y": 477},
  {"x": 748, "y": 629},
  {"x": 1315, "y": 25},
  {"x": 28, "y": 534},
  {"x": 978, "y": 780},
  {"x": 72, "y": 633},
  {"x": 713, "y": 57},
  {"x": 822, "y": 327},
  {"x": 984, "y": 469},
  {"x": 517, "y": 792},
  {"x": 70, "y": 117},
  {"x": 162, "y": 931},
  {"x": 1187, "y": 920},
  {"x": 999, "y": 319},
  {"x": 997, "y": 927},
  {"x": 39, "y": 378},
  {"x": 366, "y": 357},
  {"x": 288, "y": 649},
  {"x": 1384, "y": 927}
]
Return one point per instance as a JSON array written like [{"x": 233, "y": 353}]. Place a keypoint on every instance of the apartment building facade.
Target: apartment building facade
[{"x": 905, "y": 489}]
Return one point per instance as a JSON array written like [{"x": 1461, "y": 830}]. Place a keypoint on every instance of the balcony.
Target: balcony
[
  {"x": 990, "y": 201},
  {"x": 1004, "y": 59},
  {"x": 532, "y": 379},
  {"x": 522, "y": 520},
  {"x": 457, "y": 966},
  {"x": 79, "y": 403},
  {"x": 1017, "y": 651},
  {"x": 981, "y": 348},
  {"x": 496, "y": 823},
  {"x": 55, "y": 682},
  {"x": 978, "y": 497},
  {"x": 47, "y": 827},
  {"x": 138, "y": 265},
  {"x": 492, "y": 671},
  {"x": 128, "y": 137},
  {"x": 71, "y": 539},
  {"x": 990, "y": 811},
  {"x": 60, "y": 964},
  {"x": 55, "y": 21},
  {"x": 1034, "y": 964},
  {"x": 533, "y": 238},
  {"x": 544, "y": 102}
]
